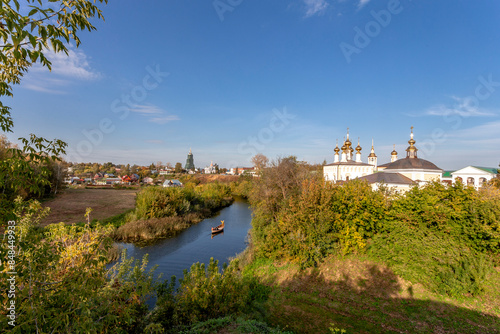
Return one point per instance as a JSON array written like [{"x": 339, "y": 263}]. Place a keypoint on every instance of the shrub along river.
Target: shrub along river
[{"x": 196, "y": 244}]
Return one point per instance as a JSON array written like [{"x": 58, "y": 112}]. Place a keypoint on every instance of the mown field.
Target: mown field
[{"x": 69, "y": 207}]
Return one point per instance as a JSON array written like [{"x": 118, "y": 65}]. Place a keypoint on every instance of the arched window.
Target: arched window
[
  {"x": 482, "y": 181},
  {"x": 470, "y": 181},
  {"x": 459, "y": 179}
]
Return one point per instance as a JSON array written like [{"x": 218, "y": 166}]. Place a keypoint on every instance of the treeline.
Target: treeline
[{"x": 444, "y": 237}]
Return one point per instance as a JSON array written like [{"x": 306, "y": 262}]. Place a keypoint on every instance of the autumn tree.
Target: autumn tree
[
  {"x": 260, "y": 162},
  {"x": 178, "y": 167}
]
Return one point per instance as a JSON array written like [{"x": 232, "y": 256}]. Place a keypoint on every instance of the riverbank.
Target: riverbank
[{"x": 147, "y": 230}]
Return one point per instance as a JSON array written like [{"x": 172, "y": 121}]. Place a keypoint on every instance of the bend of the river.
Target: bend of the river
[{"x": 196, "y": 244}]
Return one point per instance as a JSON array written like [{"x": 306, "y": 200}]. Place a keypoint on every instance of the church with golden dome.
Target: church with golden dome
[
  {"x": 401, "y": 174},
  {"x": 345, "y": 167}
]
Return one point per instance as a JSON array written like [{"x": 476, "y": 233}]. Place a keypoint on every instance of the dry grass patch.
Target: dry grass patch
[
  {"x": 154, "y": 228},
  {"x": 70, "y": 206}
]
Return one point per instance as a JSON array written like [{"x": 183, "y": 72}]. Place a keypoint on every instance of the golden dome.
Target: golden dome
[
  {"x": 394, "y": 151},
  {"x": 358, "y": 148},
  {"x": 411, "y": 150}
]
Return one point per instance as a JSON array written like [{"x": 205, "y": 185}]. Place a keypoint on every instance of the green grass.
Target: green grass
[
  {"x": 362, "y": 296},
  {"x": 231, "y": 325},
  {"x": 116, "y": 221}
]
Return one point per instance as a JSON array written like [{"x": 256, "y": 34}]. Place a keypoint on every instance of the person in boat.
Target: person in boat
[{"x": 218, "y": 227}]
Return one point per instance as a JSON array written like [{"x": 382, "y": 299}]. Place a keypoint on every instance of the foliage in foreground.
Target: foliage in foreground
[
  {"x": 206, "y": 293},
  {"x": 62, "y": 284},
  {"x": 230, "y": 324}
]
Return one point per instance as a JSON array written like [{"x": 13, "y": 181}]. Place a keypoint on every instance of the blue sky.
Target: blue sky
[{"x": 230, "y": 78}]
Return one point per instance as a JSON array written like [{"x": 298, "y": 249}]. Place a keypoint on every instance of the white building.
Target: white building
[
  {"x": 167, "y": 171},
  {"x": 474, "y": 176},
  {"x": 344, "y": 168},
  {"x": 400, "y": 173},
  {"x": 419, "y": 170},
  {"x": 212, "y": 169},
  {"x": 172, "y": 183}
]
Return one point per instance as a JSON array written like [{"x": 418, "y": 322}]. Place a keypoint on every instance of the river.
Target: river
[{"x": 196, "y": 244}]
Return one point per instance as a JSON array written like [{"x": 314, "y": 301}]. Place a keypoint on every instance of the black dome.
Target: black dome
[{"x": 412, "y": 163}]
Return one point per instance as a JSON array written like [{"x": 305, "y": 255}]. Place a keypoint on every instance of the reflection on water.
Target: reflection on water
[{"x": 197, "y": 244}]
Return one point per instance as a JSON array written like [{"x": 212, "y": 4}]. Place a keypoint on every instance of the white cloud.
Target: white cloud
[
  {"x": 75, "y": 65},
  {"x": 484, "y": 132},
  {"x": 154, "y": 113},
  {"x": 363, "y": 3},
  {"x": 155, "y": 141},
  {"x": 146, "y": 109},
  {"x": 314, "y": 7},
  {"x": 65, "y": 69},
  {"x": 465, "y": 107},
  {"x": 164, "y": 119}
]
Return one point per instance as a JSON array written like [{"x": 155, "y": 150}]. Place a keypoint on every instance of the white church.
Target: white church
[{"x": 400, "y": 174}]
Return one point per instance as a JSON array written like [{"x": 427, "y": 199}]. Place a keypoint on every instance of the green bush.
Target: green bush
[
  {"x": 159, "y": 202},
  {"x": 322, "y": 219},
  {"x": 439, "y": 262},
  {"x": 206, "y": 293}
]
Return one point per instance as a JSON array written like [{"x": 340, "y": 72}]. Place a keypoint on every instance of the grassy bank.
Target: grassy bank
[
  {"x": 359, "y": 295},
  {"x": 163, "y": 212}
]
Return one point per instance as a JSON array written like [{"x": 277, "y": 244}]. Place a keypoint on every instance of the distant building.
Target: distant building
[
  {"x": 399, "y": 173},
  {"x": 167, "y": 171},
  {"x": 345, "y": 168},
  {"x": 447, "y": 178},
  {"x": 148, "y": 180},
  {"x": 189, "y": 161},
  {"x": 242, "y": 170},
  {"x": 212, "y": 169},
  {"x": 172, "y": 183},
  {"x": 419, "y": 170},
  {"x": 474, "y": 176}
]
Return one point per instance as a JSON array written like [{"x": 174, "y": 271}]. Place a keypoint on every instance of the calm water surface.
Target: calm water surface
[{"x": 196, "y": 244}]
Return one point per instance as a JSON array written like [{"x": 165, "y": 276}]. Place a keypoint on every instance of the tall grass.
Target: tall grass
[{"x": 162, "y": 212}]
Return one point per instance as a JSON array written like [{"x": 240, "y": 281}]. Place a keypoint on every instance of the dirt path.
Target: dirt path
[{"x": 70, "y": 206}]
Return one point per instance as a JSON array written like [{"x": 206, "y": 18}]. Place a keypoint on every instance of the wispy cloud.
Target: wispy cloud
[
  {"x": 154, "y": 113},
  {"x": 315, "y": 7},
  {"x": 75, "y": 65},
  {"x": 66, "y": 69},
  {"x": 465, "y": 107},
  {"x": 363, "y": 3},
  {"x": 483, "y": 132},
  {"x": 155, "y": 141},
  {"x": 164, "y": 119},
  {"x": 147, "y": 109}
]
